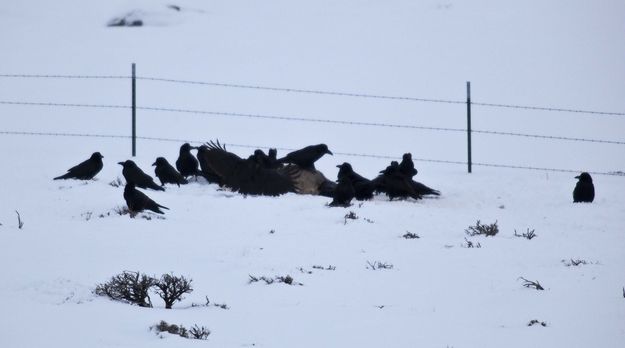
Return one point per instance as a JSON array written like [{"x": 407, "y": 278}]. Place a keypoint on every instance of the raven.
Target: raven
[
  {"x": 206, "y": 171},
  {"x": 406, "y": 166},
  {"x": 584, "y": 189},
  {"x": 135, "y": 175},
  {"x": 305, "y": 158},
  {"x": 273, "y": 159},
  {"x": 245, "y": 176},
  {"x": 363, "y": 187},
  {"x": 167, "y": 174},
  {"x": 423, "y": 190},
  {"x": 261, "y": 159},
  {"x": 343, "y": 193},
  {"x": 137, "y": 201},
  {"x": 186, "y": 163},
  {"x": 394, "y": 183},
  {"x": 85, "y": 170}
]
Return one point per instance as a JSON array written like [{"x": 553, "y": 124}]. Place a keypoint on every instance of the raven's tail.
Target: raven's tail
[{"x": 65, "y": 176}]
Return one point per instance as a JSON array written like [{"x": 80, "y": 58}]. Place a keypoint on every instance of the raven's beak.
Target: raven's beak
[
  {"x": 577, "y": 177},
  {"x": 154, "y": 163},
  {"x": 330, "y": 152},
  {"x": 339, "y": 166},
  {"x": 120, "y": 163},
  {"x": 194, "y": 148}
]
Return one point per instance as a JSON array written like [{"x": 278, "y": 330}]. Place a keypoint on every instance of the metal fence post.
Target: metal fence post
[
  {"x": 134, "y": 112},
  {"x": 469, "y": 125}
]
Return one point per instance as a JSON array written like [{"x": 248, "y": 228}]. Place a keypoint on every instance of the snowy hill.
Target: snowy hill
[{"x": 438, "y": 293}]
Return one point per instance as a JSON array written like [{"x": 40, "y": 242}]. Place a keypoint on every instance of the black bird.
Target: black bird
[
  {"x": 363, "y": 187},
  {"x": 584, "y": 189},
  {"x": 394, "y": 183},
  {"x": 167, "y": 174},
  {"x": 85, "y": 170},
  {"x": 186, "y": 163},
  {"x": 305, "y": 158},
  {"x": 260, "y": 158},
  {"x": 406, "y": 166},
  {"x": 135, "y": 175},
  {"x": 206, "y": 170},
  {"x": 423, "y": 190},
  {"x": 137, "y": 201},
  {"x": 343, "y": 193},
  {"x": 245, "y": 175}
]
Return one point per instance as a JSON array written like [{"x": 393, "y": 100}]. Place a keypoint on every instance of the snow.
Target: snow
[{"x": 438, "y": 294}]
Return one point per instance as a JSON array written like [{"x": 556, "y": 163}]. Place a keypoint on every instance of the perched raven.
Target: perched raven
[
  {"x": 343, "y": 193},
  {"x": 137, "y": 201},
  {"x": 363, "y": 187},
  {"x": 584, "y": 189},
  {"x": 135, "y": 175},
  {"x": 186, "y": 163},
  {"x": 246, "y": 176},
  {"x": 406, "y": 166},
  {"x": 167, "y": 174},
  {"x": 85, "y": 170},
  {"x": 305, "y": 158}
]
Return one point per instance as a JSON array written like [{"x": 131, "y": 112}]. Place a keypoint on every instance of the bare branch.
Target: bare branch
[
  {"x": 530, "y": 284},
  {"x": 20, "y": 223}
]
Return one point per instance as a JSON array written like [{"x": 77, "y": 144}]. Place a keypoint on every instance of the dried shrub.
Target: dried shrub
[
  {"x": 378, "y": 265},
  {"x": 536, "y": 322},
  {"x": 278, "y": 279},
  {"x": 350, "y": 216},
  {"x": 574, "y": 262},
  {"x": 171, "y": 288},
  {"x": 130, "y": 287},
  {"x": 528, "y": 235},
  {"x": 209, "y": 304},
  {"x": 199, "y": 333},
  {"x": 470, "y": 244},
  {"x": 196, "y": 332},
  {"x": 121, "y": 210},
  {"x": 410, "y": 235},
  {"x": 117, "y": 182},
  {"x": 531, "y": 284},
  {"x": 482, "y": 230}
]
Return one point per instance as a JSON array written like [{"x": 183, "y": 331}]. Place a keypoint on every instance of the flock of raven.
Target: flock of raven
[{"x": 265, "y": 174}]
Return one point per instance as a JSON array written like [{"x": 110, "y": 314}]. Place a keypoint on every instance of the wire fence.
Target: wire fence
[{"x": 291, "y": 118}]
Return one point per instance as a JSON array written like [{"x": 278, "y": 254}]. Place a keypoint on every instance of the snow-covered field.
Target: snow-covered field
[{"x": 439, "y": 293}]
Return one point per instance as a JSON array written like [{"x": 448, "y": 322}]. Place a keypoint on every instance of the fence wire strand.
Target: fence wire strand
[
  {"x": 299, "y": 90},
  {"x": 78, "y": 77},
  {"x": 318, "y": 92},
  {"x": 314, "y": 120},
  {"x": 5, "y": 132},
  {"x": 541, "y": 108}
]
